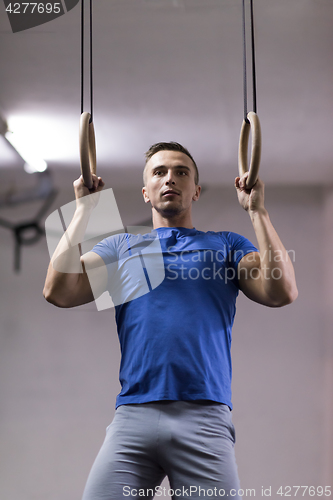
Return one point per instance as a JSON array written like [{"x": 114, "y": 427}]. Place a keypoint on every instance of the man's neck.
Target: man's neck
[{"x": 177, "y": 221}]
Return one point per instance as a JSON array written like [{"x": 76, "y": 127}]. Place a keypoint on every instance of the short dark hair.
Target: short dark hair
[{"x": 170, "y": 146}]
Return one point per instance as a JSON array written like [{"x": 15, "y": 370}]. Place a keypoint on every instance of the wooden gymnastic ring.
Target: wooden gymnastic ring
[
  {"x": 254, "y": 126},
  {"x": 87, "y": 149}
]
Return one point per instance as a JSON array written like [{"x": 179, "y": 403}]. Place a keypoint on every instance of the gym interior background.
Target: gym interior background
[{"x": 170, "y": 70}]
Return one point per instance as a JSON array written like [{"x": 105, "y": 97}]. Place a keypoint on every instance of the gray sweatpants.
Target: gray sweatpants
[{"x": 191, "y": 443}]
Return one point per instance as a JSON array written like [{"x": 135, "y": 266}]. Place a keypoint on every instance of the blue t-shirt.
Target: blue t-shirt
[{"x": 175, "y": 340}]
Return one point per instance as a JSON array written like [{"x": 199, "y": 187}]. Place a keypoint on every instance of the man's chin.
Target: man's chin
[{"x": 168, "y": 211}]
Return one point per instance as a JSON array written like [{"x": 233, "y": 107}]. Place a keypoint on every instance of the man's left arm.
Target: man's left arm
[{"x": 266, "y": 277}]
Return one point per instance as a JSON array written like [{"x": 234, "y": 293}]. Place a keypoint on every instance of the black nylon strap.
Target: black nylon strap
[
  {"x": 91, "y": 61},
  {"x": 91, "y": 58},
  {"x": 254, "y": 84}
]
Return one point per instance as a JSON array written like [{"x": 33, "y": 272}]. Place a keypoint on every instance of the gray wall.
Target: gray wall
[{"x": 59, "y": 368}]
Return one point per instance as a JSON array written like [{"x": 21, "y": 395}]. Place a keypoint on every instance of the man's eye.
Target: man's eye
[
  {"x": 182, "y": 172},
  {"x": 157, "y": 172}
]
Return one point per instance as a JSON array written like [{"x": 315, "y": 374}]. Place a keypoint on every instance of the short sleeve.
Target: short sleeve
[
  {"x": 239, "y": 246},
  {"x": 107, "y": 249}
]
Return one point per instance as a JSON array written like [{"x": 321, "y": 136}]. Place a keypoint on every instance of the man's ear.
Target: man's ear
[
  {"x": 145, "y": 194},
  {"x": 196, "y": 195}
]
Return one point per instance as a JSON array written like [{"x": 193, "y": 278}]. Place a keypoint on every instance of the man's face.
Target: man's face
[{"x": 169, "y": 183}]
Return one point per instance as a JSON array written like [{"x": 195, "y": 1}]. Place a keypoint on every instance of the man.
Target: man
[{"x": 173, "y": 413}]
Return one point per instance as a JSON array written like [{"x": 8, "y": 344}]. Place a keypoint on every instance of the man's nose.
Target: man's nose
[{"x": 170, "y": 178}]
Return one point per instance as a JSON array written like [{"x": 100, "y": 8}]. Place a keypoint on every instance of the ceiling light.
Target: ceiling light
[{"x": 27, "y": 151}]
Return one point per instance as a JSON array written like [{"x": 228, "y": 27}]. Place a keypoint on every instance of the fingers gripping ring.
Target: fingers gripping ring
[
  {"x": 87, "y": 149},
  {"x": 254, "y": 126}
]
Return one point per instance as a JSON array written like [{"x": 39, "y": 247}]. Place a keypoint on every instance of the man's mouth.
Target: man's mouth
[{"x": 170, "y": 192}]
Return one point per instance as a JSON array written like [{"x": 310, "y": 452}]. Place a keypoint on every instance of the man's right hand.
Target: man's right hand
[{"x": 81, "y": 190}]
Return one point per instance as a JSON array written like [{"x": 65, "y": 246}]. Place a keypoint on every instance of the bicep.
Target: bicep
[
  {"x": 72, "y": 287},
  {"x": 250, "y": 279},
  {"x": 96, "y": 274}
]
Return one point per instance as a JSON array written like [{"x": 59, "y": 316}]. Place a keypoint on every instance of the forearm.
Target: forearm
[
  {"x": 65, "y": 273},
  {"x": 276, "y": 269}
]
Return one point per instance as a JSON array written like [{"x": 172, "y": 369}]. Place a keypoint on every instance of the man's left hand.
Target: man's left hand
[{"x": 252, "y": 200}]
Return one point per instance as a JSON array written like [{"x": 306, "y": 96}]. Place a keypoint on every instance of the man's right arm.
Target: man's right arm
[{"x": 67, "y": 283}]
